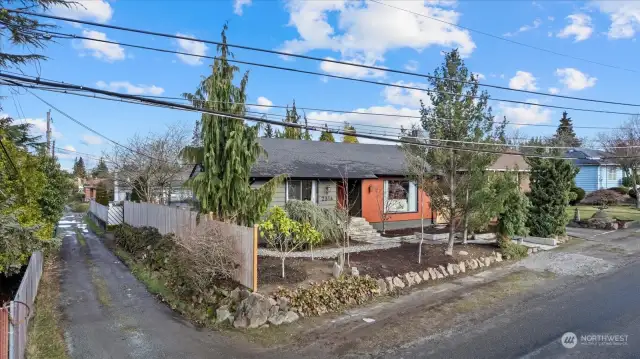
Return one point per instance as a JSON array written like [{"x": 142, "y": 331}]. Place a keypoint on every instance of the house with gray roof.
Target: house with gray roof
[{"x": 597, "y": 169}]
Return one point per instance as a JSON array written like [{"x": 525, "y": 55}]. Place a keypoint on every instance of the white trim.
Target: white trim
[{"x": 314, "y": 189}]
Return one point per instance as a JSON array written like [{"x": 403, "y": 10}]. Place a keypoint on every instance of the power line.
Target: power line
[
  {"x": 6, "y": 153},
  {"x": 145, "y": 101},
  {"x": 324, "y": 109},
  {"x": 315, "y": 73},
  {"x": 307, "y": 57},
  {"x": 505, "y": 39}
]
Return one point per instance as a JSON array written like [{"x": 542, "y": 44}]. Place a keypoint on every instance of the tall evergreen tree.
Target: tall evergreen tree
[
  {"x": 268, "y": 131},
  {"x": 196, "y": 138},
  {"x": 291, "y": 133},
  {"x": 565, "y": 136},
  {"x": 352, "y": 131},
  {"x": 230, "y": 148},
  {"x": 326, "y": 135},
  {"x": 551, "y": 181},
  {"x": 20, "y": 134},
  {"x": 101, "y": 170},
  {"x": 78, "y": 168},
  {"x": 306, "y": 136}
]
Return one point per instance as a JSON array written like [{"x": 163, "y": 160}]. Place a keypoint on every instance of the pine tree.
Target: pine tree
[
  {"x": 326, "y": 135},
  {"x": 268, "y": 131},
  {"x": 565, "y": 136},
  {"x": 291, "y": 133},
  {"x": 196, "y": 138},
  {"x": 306, "y": 136},
  {"x": 101, "y": 170},
  {"x": 229, "y": 148},
  {"x": 78, "y": 168},
  {"x": 551, "y": 181},
  {"x": 352, "y": 131}
]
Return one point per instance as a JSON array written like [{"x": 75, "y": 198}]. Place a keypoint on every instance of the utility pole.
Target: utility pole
[
  {"x": 49, "y": 131},
  {"x": 53, "y": 149}
]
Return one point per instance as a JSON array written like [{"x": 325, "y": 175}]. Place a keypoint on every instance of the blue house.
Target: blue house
[{"x": 596, "y": 171}]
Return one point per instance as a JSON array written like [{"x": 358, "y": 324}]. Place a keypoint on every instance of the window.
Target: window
[
  {"x": 400, "y": 196},
  {"x": 611, "y": 173},
  {"x": 303, "y": 190}
]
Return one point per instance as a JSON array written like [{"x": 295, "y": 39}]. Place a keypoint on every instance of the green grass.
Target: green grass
[
  {"x": 80, "y": 237},
  {"x": 618, "y": 212},
  {"x": 79, "y": 207},
  {"x": 93, "y": 226},
  {"x": 46, "y": 339}
]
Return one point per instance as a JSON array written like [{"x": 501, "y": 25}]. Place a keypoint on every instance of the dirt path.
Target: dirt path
[{"x": 109, "y": 314}]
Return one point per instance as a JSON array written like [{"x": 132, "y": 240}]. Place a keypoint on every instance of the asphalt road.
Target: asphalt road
[{"x": 603, "y": 305}]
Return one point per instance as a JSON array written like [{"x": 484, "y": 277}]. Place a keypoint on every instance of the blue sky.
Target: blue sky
[{"x": 358, "y": 31}]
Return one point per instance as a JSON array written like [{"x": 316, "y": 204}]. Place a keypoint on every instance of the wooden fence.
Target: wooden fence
[
  {"x": 14, "y": 320},
  {"x": 111, "y": 215},
  {"x": 179, "y": 221}
]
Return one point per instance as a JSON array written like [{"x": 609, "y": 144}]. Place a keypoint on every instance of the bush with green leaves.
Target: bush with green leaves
[
  {"x": 633, "y": 193},
  {"x": 17, "y": 242},
  {"x": 627, "y": 181},
  {"x": 579, "y": 195},
  {"x": 513, "y": 219},
  {"x": 331, "y": 295},
  {"x": 512, "y": 250},
  {"x": 286, "y": 235},
  {"x": 324, "y": 220}
]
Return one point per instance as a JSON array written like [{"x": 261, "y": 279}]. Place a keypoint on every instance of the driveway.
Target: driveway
[{"x": 109, "y": 314}]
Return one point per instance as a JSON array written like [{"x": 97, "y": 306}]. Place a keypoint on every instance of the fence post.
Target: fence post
[
  {"x": 255, "y": 257},
  {"x": 4, "y": 333}
]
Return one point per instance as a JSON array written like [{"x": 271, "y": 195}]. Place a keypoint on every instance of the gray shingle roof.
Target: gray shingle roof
[
  {"x": 589, "y": 157},
  {"x": 317, "y": 159}
]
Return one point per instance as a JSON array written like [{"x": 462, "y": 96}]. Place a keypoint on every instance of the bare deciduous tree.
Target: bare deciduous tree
[
  {"x": 151, "y": 163},
  {"x": 626, "y": 136},
  {"x": 388, "y": 201}
]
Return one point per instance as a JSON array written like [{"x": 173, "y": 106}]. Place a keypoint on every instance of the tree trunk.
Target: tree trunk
[
  {"x": 282, "y": 259},
  {"x": 452, "y": 210},
  {"x": 466, "y": 217},
  {"x": 634, "y": 182},
  {"x": 421, "y": 231}
]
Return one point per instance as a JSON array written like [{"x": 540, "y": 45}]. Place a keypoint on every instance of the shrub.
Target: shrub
[
  {"x": 633, "y": 193},
  {"x": 136, "y": 240},
  {"x": 79, "y": 207},
  {"x": 513, "y": 219},
  {"x": 621, "y": 190},
  {"x": 326, "y": 221},
  {"x": 17, "y": 242},
  {"x": 331, "y": 295},
  {"x": 513, "y": 250},
  {"x": 627, "y": 181},
  {"x": 603, "y": 198},
  {"x": 579, "y": 195},
  {"x": 201, "y": 258}
]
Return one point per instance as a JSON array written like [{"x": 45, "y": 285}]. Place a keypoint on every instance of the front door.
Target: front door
[{"x": 355, "y": 198}]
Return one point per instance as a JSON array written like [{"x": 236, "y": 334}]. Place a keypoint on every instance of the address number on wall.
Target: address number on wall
[{"x": 326, "y": 198}]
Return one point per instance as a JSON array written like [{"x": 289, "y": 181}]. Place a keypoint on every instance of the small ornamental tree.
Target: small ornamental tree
[{"x": 286, "y": 235}]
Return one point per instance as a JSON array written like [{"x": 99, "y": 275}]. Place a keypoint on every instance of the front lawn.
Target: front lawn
[{"x": 624, "y": 212}]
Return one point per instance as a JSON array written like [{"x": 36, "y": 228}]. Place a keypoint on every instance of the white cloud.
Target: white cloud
[
  {"x": 406, "y": 97},
  {"x": 39, "y": 127},
  {"x": 519, "y": 114},
  {"x": 95, "y": 10},
  {"x": 349, "y": 71},
  {"x": 357, "y": 120},
  {"x": 550, "y": 18},
  {"x": 366, "y": 30},
  {"x": 554, "y": 90},
  {"x": 191, "y": 47},
  {"x": 624, "y": 15},
  {"x": 479, "y": 76},
  {"x": 238, "y": 4},
  {"x": 411, "y": 65},
  {"x": 523, "y": 81},
  {"x": 91, "y": 140},
  {"x": 263, "y": 101},
  {"x": 574, "y": 79},
  {"x": 101, "y": 50},
  {"x": 131, "y": 89},
  {"x": 579, "y": 27},
  {"x": 64, "y": 154},
  {"x": 524, "y": 28}
]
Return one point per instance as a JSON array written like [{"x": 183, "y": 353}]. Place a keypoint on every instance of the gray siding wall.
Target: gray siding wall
[
  {"x": 327, "y": 196},
  {"x": 326, "y": 193}
]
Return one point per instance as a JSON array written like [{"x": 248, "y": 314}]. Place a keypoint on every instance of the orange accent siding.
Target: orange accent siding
[{"x": 372, "y": 201}]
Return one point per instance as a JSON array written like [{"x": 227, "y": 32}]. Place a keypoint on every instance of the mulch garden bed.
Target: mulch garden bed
[
  {"x": 409, "y": 231},
  {"x": 403, "y": 259},
  {"x": 296, "y": 270}
]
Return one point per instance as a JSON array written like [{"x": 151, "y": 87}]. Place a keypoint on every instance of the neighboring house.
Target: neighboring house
[
  {"x": 173, "y": 195},
  {"x": 596, "y": 171},
  {"x": 508, "y": 162},
  {"x": 90, "y": 186},
  {"x": 371, "y": 173}
]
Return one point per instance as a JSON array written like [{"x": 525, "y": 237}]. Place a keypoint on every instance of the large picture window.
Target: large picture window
[
  {"x": 400, "y": 196},
  {"x": 611, "y": 173},
  {"x": 302, "y": 190}
]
